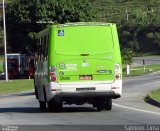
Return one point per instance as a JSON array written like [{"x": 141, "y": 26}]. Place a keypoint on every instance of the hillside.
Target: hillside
[
  {"x": 118, "y": 10},
  {"x": 113, "y": 10},
  {"x": 138, "y": 22}
]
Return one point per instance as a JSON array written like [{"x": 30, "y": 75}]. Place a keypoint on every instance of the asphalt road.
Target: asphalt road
[{"x": 128, "y": 110}]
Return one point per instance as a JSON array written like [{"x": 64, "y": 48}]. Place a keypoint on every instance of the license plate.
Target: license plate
[{"x": 85, "y": 77}]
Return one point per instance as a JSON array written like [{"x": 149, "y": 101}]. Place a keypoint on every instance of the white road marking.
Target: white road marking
[{"x": 136, "y": 109}]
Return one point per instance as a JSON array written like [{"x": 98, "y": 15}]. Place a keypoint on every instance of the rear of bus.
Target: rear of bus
[{"x": 85, "y": 63}]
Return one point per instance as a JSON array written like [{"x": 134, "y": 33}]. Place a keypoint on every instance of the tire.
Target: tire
[
  {"x": 108, "y": 105},
  {"x": 55, "y": 106},
  {"x": 100, "y": 106},
  {"x": 42, "y": 104},
  {"x": 36, "y": 92},
  {"x": 35, "y": 89}
]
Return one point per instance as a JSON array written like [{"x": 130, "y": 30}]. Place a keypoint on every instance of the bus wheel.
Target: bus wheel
[
  {"x": 55, "y": 106},
  {"x": 42, "y": 104},
  {"x": 100, "y": 106},
  {"x": 36, "y": 92},
  {"x": 108, "y": 105}
]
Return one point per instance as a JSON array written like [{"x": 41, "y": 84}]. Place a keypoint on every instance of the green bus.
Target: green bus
[{"x": 78, "y": 63}]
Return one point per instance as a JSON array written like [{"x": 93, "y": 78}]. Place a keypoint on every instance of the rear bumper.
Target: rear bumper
[
  {"x": 100, "y": 89},
  {"x": 75, "y": 95}
]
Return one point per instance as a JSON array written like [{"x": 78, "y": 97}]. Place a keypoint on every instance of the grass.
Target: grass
[
  {"x": 1, "y": 68},
  {"x": 155, "y": 95},
  {"x": 139, "y": 70},
  {"x": 1, "y": 63},
  {"x": 14, "y": 86},
  {"x": 1, "y": 58}
]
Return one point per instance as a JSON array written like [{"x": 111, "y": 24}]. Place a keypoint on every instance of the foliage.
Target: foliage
[
  {"x": 27, "y": 17},
  {"x": 135, "y": 19},
  {"x": 140, "y": 34},
  {"x": 127, "y": 55}
]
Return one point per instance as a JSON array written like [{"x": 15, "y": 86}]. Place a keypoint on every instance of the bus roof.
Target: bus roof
[
  {"x": 41, "y": 33},
  {"x": 84, "y": 24}
]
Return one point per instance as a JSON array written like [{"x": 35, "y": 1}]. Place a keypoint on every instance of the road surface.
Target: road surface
[{"x": 128, "y": 110}]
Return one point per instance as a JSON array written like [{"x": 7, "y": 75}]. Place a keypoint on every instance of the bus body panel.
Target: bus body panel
[{"x": 83, "y": 62}]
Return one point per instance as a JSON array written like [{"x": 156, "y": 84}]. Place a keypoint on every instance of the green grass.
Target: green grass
[
  {"x": 1, "y": 58},
  {"x": 137, "y": 71},
  {"x": 14, "y": 86},
  {"x": 155, "y": 95},
  {"x": 1, "y": 68},
  {"x": 1, "y": 63}
]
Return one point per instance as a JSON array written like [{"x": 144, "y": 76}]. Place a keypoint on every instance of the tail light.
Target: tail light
[
  {"x": 52, "y": 73},
  {"x": 117, "y": 71}
]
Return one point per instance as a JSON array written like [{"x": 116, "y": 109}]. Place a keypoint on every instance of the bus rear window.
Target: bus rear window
[{"x": 84, "y": 39}]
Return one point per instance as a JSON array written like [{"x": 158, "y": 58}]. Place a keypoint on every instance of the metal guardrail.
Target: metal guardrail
[
  {"x": 143, "y": 68},
  {"x": 146, "y": 61}
]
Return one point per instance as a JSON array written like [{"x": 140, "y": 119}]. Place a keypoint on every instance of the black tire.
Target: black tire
[
  {"x": 35, "y": 89},
  {"x": 36, "y": 92},
  {"x": 100, "y": 106},
  {"x": 108, "y": 105},
  {"x": 55, "y": 106},
  {"x": 42, "y": 104}
]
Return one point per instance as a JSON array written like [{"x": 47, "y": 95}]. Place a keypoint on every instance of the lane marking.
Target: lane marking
[{"x": 136, "y": 109}]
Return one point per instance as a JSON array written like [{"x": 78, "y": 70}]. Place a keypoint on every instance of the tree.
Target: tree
[
  {"x": 25, "y": 18},
  {"x": 127, "y": 57},
  {"x": 141, "y": 32}
]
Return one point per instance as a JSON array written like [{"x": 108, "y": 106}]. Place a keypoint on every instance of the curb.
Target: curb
[
  {"x": 23, "y": 93},
  {"x": 152, "y": 101}
]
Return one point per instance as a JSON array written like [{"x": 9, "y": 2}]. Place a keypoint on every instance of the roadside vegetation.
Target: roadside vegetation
[
  {"x": 1, "y": 57},
  {"x": 1, "y": 68},
  {"x": 155, "y": 95},
  {"x": 141, "y": 70},
  {"x": 15, "y": 86},
  {"x": 1, "y": 63}
]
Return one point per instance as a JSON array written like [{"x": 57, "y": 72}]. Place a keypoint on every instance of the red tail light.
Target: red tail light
[
  {"x": 117, "y": 72},
  {"x": 117, "y": 76},
  {"x": 52, "y": 73},
  {"x": 53, "y": 79}
]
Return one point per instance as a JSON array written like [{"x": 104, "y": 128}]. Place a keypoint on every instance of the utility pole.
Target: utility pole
[
  {"x": 127, "y": 16},
  {"x": 5, "y": 44}
]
